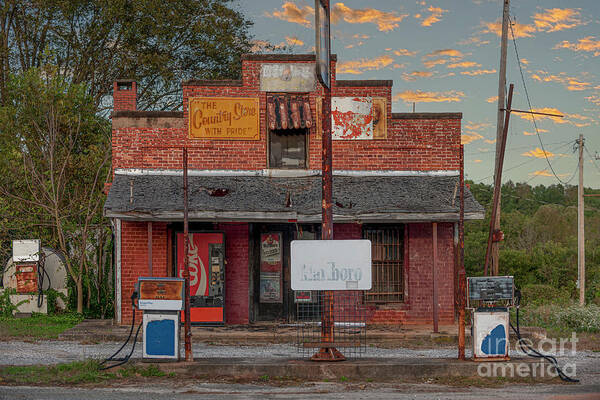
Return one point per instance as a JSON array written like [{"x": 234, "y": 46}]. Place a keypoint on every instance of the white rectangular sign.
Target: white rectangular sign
[
  {"x": 331, "y": 264},
  {"x": 26, "y": 250}
]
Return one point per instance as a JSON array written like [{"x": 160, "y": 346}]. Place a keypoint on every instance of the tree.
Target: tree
[
  {"x": 56, "y": 161},
  {"x": 159, "y": 43}
]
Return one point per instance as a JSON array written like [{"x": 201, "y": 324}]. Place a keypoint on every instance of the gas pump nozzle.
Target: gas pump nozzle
[{"x": 135, "y": 295}]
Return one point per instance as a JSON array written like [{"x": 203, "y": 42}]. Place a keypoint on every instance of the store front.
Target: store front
[{"x": 254, "y": 159}]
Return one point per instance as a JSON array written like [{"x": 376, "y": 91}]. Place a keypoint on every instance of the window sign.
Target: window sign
[
  {"x": 270, "y": 268},
  {"x": 331, "y": 264}
]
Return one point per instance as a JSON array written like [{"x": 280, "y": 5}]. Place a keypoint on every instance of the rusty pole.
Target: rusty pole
[
  {"x": 498, "y": 181},
  {"x": 186, "y": 264},
  {"x": 434, "y": 276},
  {"x": 461, "y": 260}
]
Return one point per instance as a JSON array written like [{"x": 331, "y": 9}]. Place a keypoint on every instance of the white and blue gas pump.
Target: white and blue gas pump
[
  {"x": 490, "y": 298},
  {"x": 161, "y": 300}
]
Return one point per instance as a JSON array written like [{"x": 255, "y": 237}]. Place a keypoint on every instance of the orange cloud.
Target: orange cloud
[
  {"x": 433, "y": 63},
  {"x": 492, "y": 99},
  {"x": 557, "y": 19},
  {"x": 436, "y": 16},
  {"x": 412, "y": 76},
  {"x": 576, "y": 120},
  {"x": 294, "y": 41},
  {"x": 385, "y": 21},
  {"x": 538, "y": 153},
  {"x": 469, "y": 137},
  {"x": 540, "y": 130},
  {"x": 292, "y": 13},
  {"x": 445, "y": 52},
  {"x": 587, "y": 44},
  {"x": 474, "y": 126},
  {"x": 594, "y": 99},
  {"x": 571, "y": 83},
  {"x": 405, "y": 52},
  {"x": 490, "y": 141},
  {"x": 463, "y": 64},
  {"x": 478, "y": 72},
  {"x": 357, "y": 67},
  {"x": 520, "y": 30},
  {"x": 474, "y": 40},
  {"x": 543, "y": 172},
  {"x": 411, "y": 96},
  {"x": 476, "y": 161}
]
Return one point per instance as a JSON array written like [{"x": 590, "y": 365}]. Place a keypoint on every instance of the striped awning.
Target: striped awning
[{"x": 286, "y": 111}]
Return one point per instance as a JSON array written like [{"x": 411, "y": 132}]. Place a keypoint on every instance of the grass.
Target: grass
[
  {"x": 38, "y": 326},
  {"x": 78, "y": 372}
]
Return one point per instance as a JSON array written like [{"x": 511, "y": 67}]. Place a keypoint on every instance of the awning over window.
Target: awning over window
[{"x": 287, "y": 111}]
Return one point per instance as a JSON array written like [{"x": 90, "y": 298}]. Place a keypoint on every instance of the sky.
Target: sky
[{"x": 444, "y": 56}]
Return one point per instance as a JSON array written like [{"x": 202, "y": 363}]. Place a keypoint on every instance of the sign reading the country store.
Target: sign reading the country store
[{"x": 224, "y": 118}]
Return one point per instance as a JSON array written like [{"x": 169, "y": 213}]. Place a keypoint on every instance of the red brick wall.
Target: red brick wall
[
  {"x": 236, "y": 272},
  {"x": 125, "y": 100},
  {"x": 418, "y": 307},
  {"x": 134, "y": 259},
  {"x": 418, "y": 144}
]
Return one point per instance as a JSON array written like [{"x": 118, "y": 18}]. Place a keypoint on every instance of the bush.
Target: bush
[
  {"x": 557, "y": 317},
  {"x": 537, "y": 295}
]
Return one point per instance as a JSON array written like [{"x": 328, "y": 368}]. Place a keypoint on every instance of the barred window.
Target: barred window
[{"x": 387, "y": 252}]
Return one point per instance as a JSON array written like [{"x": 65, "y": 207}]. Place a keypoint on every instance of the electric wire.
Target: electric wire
[
  {"x": 592, "y": 158},
  {"x": 531, "y": 108}
]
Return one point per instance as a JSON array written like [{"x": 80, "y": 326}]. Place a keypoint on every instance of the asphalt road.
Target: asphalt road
[{"x": 317, "y": 391}]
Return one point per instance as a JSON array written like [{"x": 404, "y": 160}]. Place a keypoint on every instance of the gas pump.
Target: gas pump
[
  {"x": 489, "y": 298},
  {"x": 161, "y": 300}
]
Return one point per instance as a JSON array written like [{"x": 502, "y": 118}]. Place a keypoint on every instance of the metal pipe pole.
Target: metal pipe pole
[
  {"x": 434, "y": 278},
  {"x": 461, "y": 260},
  {"x": 498, "y": 181},
  {"x": 186, "y": 262},
  {"x": 500, "y": 120},
  {"x": 580, "y": 228}
]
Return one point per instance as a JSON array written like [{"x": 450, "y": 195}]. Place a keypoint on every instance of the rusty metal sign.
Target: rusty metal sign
[
  {"x": 224, "y": 118},
  {"x": 285, "y": 111},
  {"x": 379, "y": 118},
  {"x": 299, "y": 77},
  {"x": 352, "y": 118},
  {"x": 344, "y": 121}
]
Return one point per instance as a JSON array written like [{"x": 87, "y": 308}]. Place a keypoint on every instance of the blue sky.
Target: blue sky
[{"x": 444, "y": 56}]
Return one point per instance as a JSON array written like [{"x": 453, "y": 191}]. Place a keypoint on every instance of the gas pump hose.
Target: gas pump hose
[
  {"x": 530, "y": 351},
  {"x": 123, "y": 360}
]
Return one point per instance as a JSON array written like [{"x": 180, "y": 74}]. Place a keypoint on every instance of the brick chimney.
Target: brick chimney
[{"x": 124, "y": 95}]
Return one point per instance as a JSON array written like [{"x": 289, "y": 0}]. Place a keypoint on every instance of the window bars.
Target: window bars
[{"x": 387, "y": 252}]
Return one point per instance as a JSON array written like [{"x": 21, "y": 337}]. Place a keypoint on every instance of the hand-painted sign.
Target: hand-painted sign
[
  {"x": 331, "y": 264},
  {"x": 287, "y": 78},
  {"x": 351, "y": 118},
  {"x": 228, "y": 118}
]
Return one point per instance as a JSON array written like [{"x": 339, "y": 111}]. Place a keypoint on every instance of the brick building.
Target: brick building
[{"x": 254, "y": 156}]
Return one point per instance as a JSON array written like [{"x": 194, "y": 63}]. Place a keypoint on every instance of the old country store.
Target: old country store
[{"x": 254, "y": 156}]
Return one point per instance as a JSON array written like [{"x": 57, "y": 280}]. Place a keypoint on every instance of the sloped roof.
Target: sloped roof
[{"x": 263, "y": 198}]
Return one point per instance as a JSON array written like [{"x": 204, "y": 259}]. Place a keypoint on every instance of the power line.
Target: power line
[
  {"x": 529, "y": 161},
  {"x": 531, "y": 109},
  {"x": 593, "y": 158}
]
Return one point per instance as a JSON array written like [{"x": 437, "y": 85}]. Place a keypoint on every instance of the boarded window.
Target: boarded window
[
  {"x": 287, "y": 148},
  {"x": 387, "y": 252}
]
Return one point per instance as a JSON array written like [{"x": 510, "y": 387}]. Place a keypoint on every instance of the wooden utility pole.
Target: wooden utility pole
[
  {"x": 580, "y": 229},
  {"x": 500, "y": 126}
]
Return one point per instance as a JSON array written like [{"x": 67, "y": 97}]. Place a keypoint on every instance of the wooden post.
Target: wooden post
[
  {"x": 150, "y": 248},
  {"x": 498, "y": 182},
  {"x": 186, "y": 262},
  {"x": 434, "y": 277},
  {"x": 580, "y": 228},
  {"x": 500, "y": 123}
]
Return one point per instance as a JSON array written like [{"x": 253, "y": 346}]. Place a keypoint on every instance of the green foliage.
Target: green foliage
[
  {"x": 562, "y": 318},
  {"x": 540, "y": 246},
  {"x": 7, "y": 308},
  {"x": 159, "y": 43},
  {"x": 72, "y": 373},
  {"x": 39, "y": 326},
  {"x": 51, "y": 297}
]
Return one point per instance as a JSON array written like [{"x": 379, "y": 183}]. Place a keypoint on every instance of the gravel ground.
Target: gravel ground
[{"x": 54, "y": 352}]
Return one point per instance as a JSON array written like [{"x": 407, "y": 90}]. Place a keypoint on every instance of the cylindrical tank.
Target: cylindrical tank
[{"x": 54, "y": 264}]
